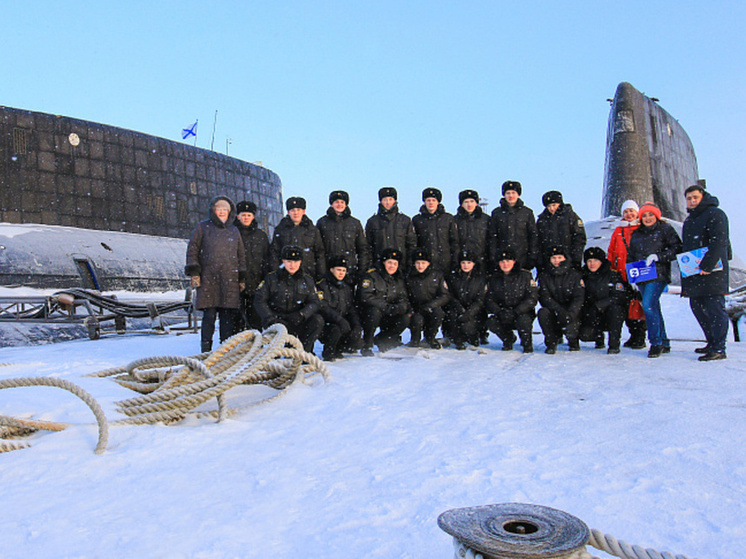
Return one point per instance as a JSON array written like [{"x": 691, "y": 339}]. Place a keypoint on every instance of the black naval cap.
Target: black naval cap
[
  {"x": 392, "y": 254},
  {"x": 512, "y": 185},
  {"x": 387, "y": 191},
  {"x": 432, "y": 192},
  {"x": 420, "y": 254},
  {"x": 245, "y": 206},
  {"x": 339, "y": 195},
  {"x": 290, "y": 252},
  {"x": 295, "y": 202},
  {"x": 468, "y": 194},
  {"x": 338, "y": 261}
]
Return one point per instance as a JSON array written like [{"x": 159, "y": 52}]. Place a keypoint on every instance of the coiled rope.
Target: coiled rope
[
  {"x": 173, "y": 386},
  {"x": 599, "y": 540}
]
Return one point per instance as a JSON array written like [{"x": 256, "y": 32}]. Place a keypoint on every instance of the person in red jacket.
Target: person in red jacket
[{"x": 617, "y": 255}]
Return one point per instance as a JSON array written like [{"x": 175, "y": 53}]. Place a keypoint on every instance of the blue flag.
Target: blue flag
[{"x": 191, "y": 131}]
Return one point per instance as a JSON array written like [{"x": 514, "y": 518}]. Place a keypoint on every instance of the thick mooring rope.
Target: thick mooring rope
[
  {"x": 599, "y": 540},
  {"x": 173, "y": 386},
  {"x": 18, "y": 425}
]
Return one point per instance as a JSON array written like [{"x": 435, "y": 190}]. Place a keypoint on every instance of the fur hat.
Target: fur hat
[
  {"x": 392, "y": 254},
  {"x": 557, "y": 250},
  {"x": 290, "y": 252},
  {"x": 630, "y": 204},
  {"x": 337, "y": 262},
  {"x": 432, "y": 192},
  {"x": 512, "y": 185},
  {"x": 507, "y": 254},
  {"x": 420, "y": 254},
  {"x": 467, "y": 195},
  {"x": 552, "y": 197},
  {"x": 339, "y": 195},
  {"x": 249, "y": 207},
  {"x": 652, "y": 208},
  {"x": 295, "y": 202},
  {"x": 387, "y": 191},
  {"x": 466, "y": 256},
  {"x": 596, "y": 253}
]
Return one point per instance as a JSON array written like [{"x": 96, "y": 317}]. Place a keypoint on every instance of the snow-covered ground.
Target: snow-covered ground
[{"x": 651, "y": 451}]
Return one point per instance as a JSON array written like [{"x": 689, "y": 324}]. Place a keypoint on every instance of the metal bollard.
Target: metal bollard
[{"x": 515, "y": 531}]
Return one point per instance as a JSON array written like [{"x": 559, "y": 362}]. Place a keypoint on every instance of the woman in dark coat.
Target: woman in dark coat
[
  {"x": 465, "y": 315},
  {"x": 654, "y": 241},
  {"x": 707, "y": 226},
  {"x": 606, "y": 301},
  {"x": 216, "y": 264},
  {"x": 256, "y": 249}
]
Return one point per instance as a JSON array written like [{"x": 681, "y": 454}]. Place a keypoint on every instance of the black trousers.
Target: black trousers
[
  {"x": 594, "y": 322},
  {"x": 307, "y": 331},
  {"x": 391, "y": 326},
  {"x": 429, "y": 321},
  {"x": 207, "y": 331},
  {"x": 461, "y": 329},
  {"x": 336, "y": 342},
  {"x": 553, "y": 327},
  {"x": 248, "y": 319},
  {"x": 523, "y": 323},
  {"x": 709, "y": 310}
]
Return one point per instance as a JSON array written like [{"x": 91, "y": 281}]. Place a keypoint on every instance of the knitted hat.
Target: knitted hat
[
  {"x": 336, "y": 262},
  {"x": 387, "y": 191},
  {"x": 652, "y": 208},
  {"x": 507, "y": 254},
  {"x": 630, "y": 204},
  {"x": 431, "y": 192},
  {"x": 392, "y": 254},
  {"x": 551, "y": 197},
  {"x": 249, "y": 207},
  {"x": 512, "y": 185},
  {"x": 420, "y": 254},
  {"x": 295, "y": 202},
  {"x": 468, "y": 194},
  {"x": 290, "y": 252},
  {"x": 596, "y": 253},
  {"x": 339, "y": 195}
]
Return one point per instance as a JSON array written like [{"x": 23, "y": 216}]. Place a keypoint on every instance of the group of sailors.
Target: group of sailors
[{"x": 353, "y": 287}]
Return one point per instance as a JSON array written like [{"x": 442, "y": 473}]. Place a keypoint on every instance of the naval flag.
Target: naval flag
[{"x": 191, "y": 131}]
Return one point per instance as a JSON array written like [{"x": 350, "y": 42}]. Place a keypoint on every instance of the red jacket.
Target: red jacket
[{"x": 617, "y": 253}]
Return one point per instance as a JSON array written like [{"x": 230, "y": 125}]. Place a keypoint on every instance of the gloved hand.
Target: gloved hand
[
  {"x": 294, "y": 319},
  {"x": 563, "y": 317},
  {"x": 650, "y": 259},
  {"x": 426, "y": 309},
  {"x": 391, "y": 309},
  {"x": 241, "y": 286},
  {"x": 344, "y": 326},
  {"x": 195, "y": 281}
]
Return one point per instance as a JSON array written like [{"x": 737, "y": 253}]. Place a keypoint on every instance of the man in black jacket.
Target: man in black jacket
[
  {"x": 436, "y": 231},
  {"x": 472, "y": 225},
  {"x": 384, "y": 303},
  {"x": 256, "y": 249},
  {"x": 296, "y": 229},
  {"x": 288, "y": 296},
  {"x": 389, "y": 228},
  {"x": 513, "y": 227},
  {"x": 465, "y": 315},
  {"x": 707, "y": 226},
  {"x": 606, "y": 301},
  {"x": 342, "y": 329},
  {"x": 343, "y": 235},
  {"x": 512, "y": 295},
  {"x": 559, "y": 225},
  {"x": 561, "y": 294},
  {"x": 428, "y": 294}
]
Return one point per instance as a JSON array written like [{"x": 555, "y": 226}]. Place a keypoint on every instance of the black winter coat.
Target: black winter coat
[
  {"x": 305, "y": 236},
  {"x": 386, "y": 292},
  {"x": 468, "y": 291},
  {"x": 256, "y": 249},
  {"x": 343, "y": 235},
  {"x": 514, "y": 228},
  {"x": 215, "y": 253},
  {"x": 562, "y": 228},
  {"x": 604, "y": 287},
  {"x": 436, "y": 232},
  {"x": 707, "y": 226},
  {"x": 282, "y": 294},
  {"x": 427, "y": 290},
  {"x": 515, "y": 291},
  {"x": 337, "y": 301},
  {"x": 660, "y": 239},
  {"x": 389, "y": 229},
  {"x": 472, "y": 232},
  {"x": 561, "y": 289}
]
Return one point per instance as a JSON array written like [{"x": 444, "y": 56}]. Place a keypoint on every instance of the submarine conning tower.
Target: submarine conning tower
[{"x": 649, "y": 156}]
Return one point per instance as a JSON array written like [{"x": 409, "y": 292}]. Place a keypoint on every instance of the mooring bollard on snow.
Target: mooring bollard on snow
[{"x": 515, "y": 531}]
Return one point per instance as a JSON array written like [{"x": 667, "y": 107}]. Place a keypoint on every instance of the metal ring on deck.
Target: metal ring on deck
[{"x": 516, "y": 531}]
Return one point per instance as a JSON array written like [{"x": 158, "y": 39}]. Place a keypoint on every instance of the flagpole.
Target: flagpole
[
  {"x": 196, "y": 123},
  {"x": 214, "y": 124}
]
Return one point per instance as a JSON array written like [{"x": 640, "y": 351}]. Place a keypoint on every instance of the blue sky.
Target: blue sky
[{"x": 357, "y": 95}]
